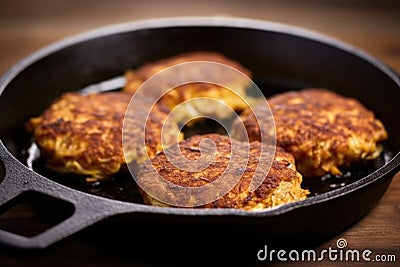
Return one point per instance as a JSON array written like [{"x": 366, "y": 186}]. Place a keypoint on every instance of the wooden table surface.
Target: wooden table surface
[{"x": 373, "y": 26}]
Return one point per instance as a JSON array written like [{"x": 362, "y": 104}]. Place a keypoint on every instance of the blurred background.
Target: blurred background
[{"x": 27, "y": 25}]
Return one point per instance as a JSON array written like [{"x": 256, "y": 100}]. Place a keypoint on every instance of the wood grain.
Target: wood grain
[{"x": 373, "y": 26}]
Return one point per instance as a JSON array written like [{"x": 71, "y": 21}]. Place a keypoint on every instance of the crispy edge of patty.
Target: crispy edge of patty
[
  {"x": 136, "y": 77},
  {"x": 281, "y": 185},
  {"x": 179, "y": 94},
  {"x": 82, "y": 134},
  {"x": 324, "y": 131}
]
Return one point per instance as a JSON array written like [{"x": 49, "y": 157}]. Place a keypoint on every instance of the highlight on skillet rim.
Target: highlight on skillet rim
[{"x": 147, "y": 97}]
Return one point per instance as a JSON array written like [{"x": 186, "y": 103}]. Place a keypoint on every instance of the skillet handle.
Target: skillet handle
[{"x": 87, "y": 209}]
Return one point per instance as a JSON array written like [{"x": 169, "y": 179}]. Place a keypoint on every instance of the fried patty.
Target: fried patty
[
  {"x": 82, "y": 134},
  {"x": 179, "y": 94},
  {"x": 281, "y": 185},
  {"x": 325, "y": 132}
]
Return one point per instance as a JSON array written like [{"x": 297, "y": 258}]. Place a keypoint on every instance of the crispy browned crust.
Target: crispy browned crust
[
  {"x": 82, "y": 134},
  {"x": 135, "y": 78},
  {"x": 281, "y": 185},
  {"x": 323, "y": 130}
]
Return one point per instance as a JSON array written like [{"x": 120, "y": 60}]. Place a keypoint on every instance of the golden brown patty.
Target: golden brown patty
[
  {"x": 82, "y": 134},
  {"x": 281, "y": 185},
  {"x": 135, "y": 78},
  {"x": 324, "y": 131}
]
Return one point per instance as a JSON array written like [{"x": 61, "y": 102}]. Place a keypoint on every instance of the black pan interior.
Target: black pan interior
[{"x": 279, "y": 62}]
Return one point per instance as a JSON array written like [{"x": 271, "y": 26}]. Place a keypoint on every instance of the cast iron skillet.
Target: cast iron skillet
[{"x": 281, "y": 58}]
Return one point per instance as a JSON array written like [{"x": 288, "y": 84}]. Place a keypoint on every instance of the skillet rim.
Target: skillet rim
[{"x": 229, "y": 22}]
